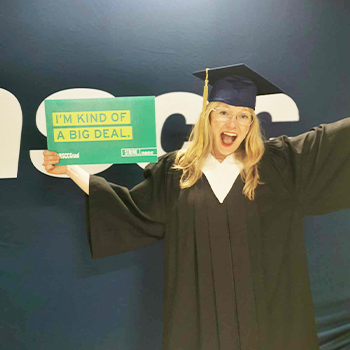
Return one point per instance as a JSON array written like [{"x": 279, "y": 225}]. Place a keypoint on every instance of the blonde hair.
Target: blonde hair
[{"x": 249, "y": 153}]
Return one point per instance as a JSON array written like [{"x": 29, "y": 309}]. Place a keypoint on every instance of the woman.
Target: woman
[{"x": 235, "y": 264}]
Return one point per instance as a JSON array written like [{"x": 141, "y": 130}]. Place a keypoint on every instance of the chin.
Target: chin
[{"x": 228, "y": 152}]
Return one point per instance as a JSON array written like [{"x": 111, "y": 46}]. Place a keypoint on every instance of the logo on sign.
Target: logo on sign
[
  {"x": 69, "y": 155},
  {"x": 135, "y": 152}
]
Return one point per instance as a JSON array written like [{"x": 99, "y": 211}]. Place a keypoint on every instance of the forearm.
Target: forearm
[{"x": 79, "y": 176}]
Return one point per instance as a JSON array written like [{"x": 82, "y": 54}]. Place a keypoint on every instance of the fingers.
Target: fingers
[
  {"x": 50, "y": 153},
  {"x": 50, "y": 162},
  {"x": 49, "y": 168},
  {"x": 50, "y": 158}
]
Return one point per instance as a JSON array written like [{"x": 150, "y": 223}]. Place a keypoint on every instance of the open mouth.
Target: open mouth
[{"x": 228, "y": 138}]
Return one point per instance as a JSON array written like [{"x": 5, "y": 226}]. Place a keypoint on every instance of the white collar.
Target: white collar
[{"x": 221, "y": 176}]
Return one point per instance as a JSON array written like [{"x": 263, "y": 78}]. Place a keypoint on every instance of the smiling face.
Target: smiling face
[{"x": 228, "y": 135}]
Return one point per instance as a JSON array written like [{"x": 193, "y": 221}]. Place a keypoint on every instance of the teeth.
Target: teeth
[{"x": 230, "y": 134}]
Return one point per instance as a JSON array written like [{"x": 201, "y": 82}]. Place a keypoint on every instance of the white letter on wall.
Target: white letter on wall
[
  {"x": 10, "y": 134},
  {"x": 281, "y": 107}
]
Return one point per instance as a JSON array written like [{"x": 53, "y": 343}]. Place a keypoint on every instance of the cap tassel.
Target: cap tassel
[
  {"x": 205, "y": 90},
  {"x": 205, "y": 99}
]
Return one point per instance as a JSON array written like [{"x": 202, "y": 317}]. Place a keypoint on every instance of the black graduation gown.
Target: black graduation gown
[{"x": 236, "y": 273}]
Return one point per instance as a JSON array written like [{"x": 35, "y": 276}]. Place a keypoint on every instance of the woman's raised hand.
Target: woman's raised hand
[
  {"x": 51, "y": 158},
  {"x": 75, "y": 172}
]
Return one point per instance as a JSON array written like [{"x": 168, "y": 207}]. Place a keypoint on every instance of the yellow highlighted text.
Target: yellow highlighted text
[
  {"x": 91, "y": 118},
  {"x": 93, "y": 134}
]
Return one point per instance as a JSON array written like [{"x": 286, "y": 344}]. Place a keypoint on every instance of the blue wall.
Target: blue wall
[{"x": 52, "y": 295}]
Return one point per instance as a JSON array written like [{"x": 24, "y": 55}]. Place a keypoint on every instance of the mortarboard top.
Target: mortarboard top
[{"x": 237, "y": 85}]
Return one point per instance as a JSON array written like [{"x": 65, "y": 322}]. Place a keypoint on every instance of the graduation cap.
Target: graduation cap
[{"x": 236, "y": 85}]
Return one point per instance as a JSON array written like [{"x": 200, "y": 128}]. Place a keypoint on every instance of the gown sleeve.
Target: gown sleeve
[
  {"x": 317, "y": 163},
  {"x": 121, "y": 220}
]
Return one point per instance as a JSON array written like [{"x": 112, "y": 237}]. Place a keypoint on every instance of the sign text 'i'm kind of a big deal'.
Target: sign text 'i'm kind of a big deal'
[
  {"x": 97, "y": 131},
  {"x": 91, "y": 126}
]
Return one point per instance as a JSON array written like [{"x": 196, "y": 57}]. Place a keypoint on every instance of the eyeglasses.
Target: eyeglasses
[{"x": 223, "y": 114}]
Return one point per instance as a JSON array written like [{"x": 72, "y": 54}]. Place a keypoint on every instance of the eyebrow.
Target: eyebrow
[{"x": 243, "y": 110}]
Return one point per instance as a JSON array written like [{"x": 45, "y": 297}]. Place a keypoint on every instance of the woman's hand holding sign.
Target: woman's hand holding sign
[
  {"x": 75, "y": 172},
  {"x": 51, "y": 158}
]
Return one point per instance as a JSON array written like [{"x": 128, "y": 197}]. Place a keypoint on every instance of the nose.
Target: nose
[{"x": 232, "y": 123}]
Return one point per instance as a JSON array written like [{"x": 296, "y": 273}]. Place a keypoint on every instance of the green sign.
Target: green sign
[{"x": 102, "y": 131}]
